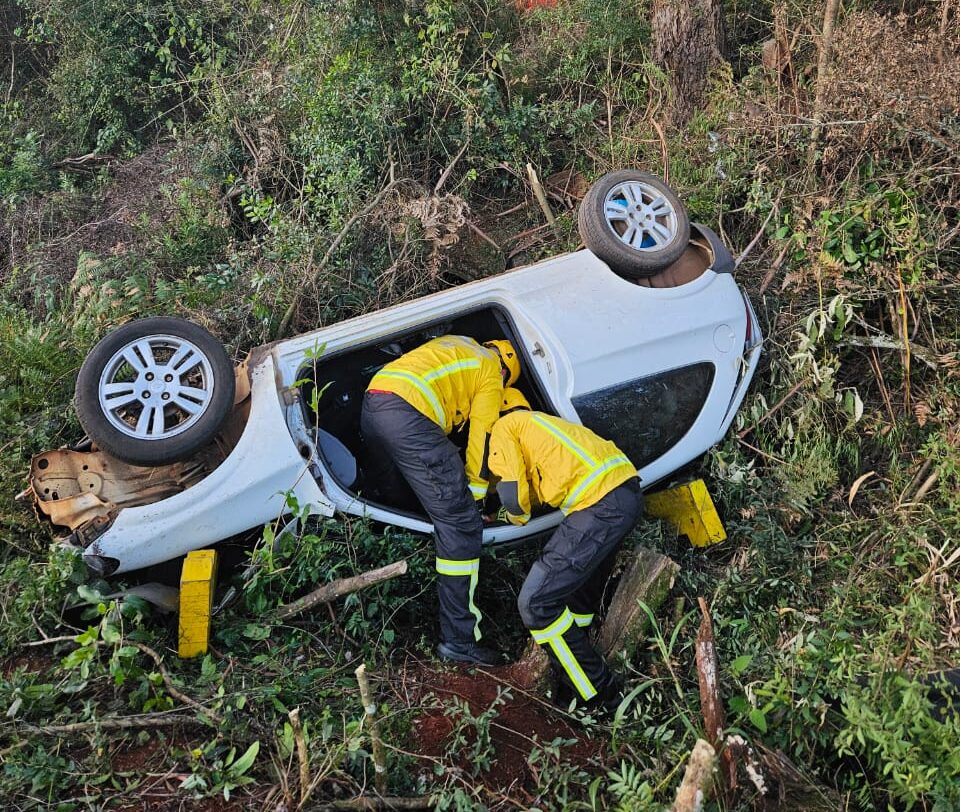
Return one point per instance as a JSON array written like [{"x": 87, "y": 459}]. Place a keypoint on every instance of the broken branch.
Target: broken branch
[
  {"x": 116, "y": 723},
  {"x": 370, "y": 717},
  {"x": 425, "y": 802},
  {"x": 343, "y": 586},
  {"x": 540, "y": 194},
  {"x": 303, "y": 755},
  {"x": 697, "y": 779}
]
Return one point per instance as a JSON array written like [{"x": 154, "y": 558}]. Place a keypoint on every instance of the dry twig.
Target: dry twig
[
  {"x": 175, "y": 692},
  {"x": 303, "y": 755}
]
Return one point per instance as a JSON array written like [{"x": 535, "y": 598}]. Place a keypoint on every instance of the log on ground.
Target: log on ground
[{"x": 648, "y": 577}]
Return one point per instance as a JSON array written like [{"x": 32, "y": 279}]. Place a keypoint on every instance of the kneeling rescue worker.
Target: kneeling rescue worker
[
  {"x": 409, "y": 408},
  {"x": 556, "y": 462}
]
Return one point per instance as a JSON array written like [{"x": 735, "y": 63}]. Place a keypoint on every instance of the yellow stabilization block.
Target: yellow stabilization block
[
  {"x": 690, "y": 510},
  {"x": 197, "y": 582}
]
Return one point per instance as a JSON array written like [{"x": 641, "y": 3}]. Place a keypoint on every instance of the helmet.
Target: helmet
[
  {"x": 508, "y": 357},
  {"x": 513, "y": 399}
]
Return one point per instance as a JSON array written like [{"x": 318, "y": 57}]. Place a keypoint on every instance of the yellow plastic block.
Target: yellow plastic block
[
  {"x": 690, "y": 510},
  {"x": 197, "y": 582}
]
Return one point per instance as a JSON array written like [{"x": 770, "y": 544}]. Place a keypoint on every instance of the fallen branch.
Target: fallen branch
[
  {"x": 424, "y": 802},
  {"x": 370, "y": 717},
  {"x": 449, "y": 169},
  {"x": 772, "y": 411},
  {"x": 303, "y": 755},
  {"x": 882, "y": 342},
  {"x": 707, "y": 676},
  {"x": 116, "y": 723},
  {"x": 343, "y": 586},
  {"x": 710, "y": 703},
  {"x": 697, "y": 778},
  {"x": 540, "y": 194},
  {"x": 484, "y": 236}
]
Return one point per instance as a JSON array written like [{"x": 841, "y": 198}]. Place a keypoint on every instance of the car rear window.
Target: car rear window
[{"x": 645, "y": 417}]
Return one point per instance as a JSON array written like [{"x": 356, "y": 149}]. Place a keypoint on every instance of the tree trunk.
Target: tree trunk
[
  {"x": 649, "y": 578},
  {"x": 687, "y": 44}
]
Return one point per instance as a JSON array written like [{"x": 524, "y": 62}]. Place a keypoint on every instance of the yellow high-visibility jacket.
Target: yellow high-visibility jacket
[
  {"x": 557, "y": 462},
  {"x": 450, "y": 380}
]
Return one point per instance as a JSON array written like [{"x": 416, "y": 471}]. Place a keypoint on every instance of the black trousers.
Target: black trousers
[
  {"x": 401, "y": 440},
  {"x": 564, "y": 587}
]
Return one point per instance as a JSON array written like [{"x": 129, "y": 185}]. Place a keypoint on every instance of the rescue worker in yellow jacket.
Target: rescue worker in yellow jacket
[
  {"x": 409, "y": 408},
  {"x": 543, "y": 459}
]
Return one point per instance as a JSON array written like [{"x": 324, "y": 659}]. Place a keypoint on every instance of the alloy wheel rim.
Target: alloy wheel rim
[
  {"x": 156, "y": 387},
  {"x": 640, "y": 216}
]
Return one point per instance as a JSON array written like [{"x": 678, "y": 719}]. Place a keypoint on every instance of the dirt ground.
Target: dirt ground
[{"x": 522, "y": 722}]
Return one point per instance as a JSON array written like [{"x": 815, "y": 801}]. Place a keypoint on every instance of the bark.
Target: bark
[
  {"x": 425, "y": 802},
  {"x": 707, "y": 676},
  {"x": 697, "y": 779},
  {"x": 370, "y": 718},
  {"x": 823, "y": 69},
  {"x": 649, "y": 578},
  {"x": 335, "y": 589},
  {"x": 687, "y": 45}
]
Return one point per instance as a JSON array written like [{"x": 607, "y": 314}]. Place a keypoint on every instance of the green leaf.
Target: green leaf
[
  {"x": 110, "y": 633},
  {"x": 88, "y": 593},
  {"x": 739, "y": 665},
  {"x": 256, "y": 631},
  {"x": 849, "y": 254},
  {"x": 758, "y": 720},
  {"x": 245, "y": 762}
]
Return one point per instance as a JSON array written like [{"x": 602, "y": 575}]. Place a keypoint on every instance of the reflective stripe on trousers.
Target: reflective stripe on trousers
[
  {"x": 462, "y": 569},
  {"x": 552, "y": 635}
]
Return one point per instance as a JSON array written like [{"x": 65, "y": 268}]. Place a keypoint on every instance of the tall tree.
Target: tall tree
[{"x": 687, "y": 44}]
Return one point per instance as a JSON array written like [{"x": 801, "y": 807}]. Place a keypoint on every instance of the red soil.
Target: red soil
[{"x": 523, "y": 722}]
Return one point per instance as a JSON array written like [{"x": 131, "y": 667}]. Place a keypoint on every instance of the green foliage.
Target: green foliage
[
  {"x": 470, "y": 736},
  {"x": 309, "y": 551},
  {"x": 21, "y": 164},
  {"x": 116, "y": 68},
  {"x": 828, "y": 611},
  {"x": 888, "y": 224}
]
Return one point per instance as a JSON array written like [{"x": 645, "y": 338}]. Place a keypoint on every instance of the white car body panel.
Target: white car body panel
[
  {"x": 246, "y": 490},
  {"x": 581, "y": 328}
]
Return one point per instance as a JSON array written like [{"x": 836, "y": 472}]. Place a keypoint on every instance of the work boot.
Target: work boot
[
  {"x": 608, "y": 698},
  {"x": 603, "y": 705},
  {"x": 469, "y": 652}
]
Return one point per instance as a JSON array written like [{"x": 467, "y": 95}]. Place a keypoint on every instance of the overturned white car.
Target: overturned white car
[{"x": 645, "y": 338}]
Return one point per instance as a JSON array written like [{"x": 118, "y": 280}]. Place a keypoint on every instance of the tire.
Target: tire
[
  {"x": 168, "y": 363},
  {"x": 658, "y": 221}
]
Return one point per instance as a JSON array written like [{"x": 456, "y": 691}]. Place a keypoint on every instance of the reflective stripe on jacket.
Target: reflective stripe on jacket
[
  {"x": 451, "y": 380},
  {"x": 555, "y": 461}
]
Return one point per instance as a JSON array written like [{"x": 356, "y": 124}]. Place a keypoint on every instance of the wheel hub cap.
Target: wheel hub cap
[
  {"x": 640, "y": 216},
  {"x": 156, "y": 387}
]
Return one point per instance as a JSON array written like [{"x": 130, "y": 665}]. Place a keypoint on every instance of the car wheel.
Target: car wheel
[
  {"x": 634, "y": 222},
  {"x": 155, "y": 391}
]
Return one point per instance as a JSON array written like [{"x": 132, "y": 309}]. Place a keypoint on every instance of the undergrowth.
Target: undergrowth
[{"x": 203, "y": 161}]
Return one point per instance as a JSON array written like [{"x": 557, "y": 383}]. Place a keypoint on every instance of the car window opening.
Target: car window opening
[{"x": 343, "y": 378}]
